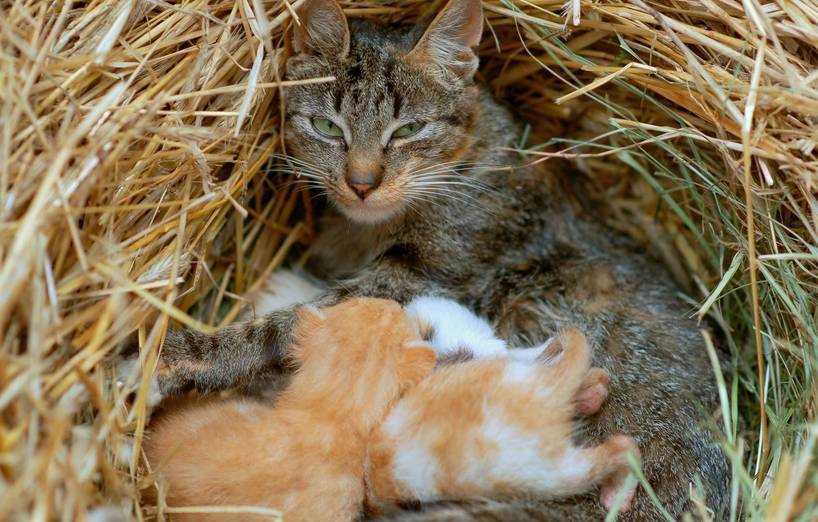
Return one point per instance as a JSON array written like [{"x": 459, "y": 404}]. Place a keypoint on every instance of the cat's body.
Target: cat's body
[
  {"x": 305, "y": 455},
  {"x": 520, "y": 256}
]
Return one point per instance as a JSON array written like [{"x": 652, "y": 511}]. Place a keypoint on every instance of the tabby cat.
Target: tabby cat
[{"x": 406, "y": 146}]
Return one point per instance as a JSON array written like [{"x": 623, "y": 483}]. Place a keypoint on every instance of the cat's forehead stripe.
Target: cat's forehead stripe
[{"x": 367, "y": 81}]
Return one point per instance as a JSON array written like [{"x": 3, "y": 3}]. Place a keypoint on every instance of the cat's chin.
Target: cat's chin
[{"x": 369, "y": 214}]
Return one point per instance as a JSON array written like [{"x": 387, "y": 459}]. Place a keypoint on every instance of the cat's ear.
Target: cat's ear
[
  {"x": 417, "y": 360},
  {"x": 449, "y": 41},
  {"x": 323, "y": 30}
]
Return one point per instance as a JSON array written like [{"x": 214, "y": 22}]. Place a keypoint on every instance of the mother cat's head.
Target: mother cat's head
[{"x": 398, "y": 123}]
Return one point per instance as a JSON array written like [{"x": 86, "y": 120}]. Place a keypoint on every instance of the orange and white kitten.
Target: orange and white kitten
[
  {"x": 305, "y": 455},
  {"x": 501, "y": 423}
]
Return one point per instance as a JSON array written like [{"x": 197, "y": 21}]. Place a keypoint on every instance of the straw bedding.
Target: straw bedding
[{"x": 134, "y": 140}]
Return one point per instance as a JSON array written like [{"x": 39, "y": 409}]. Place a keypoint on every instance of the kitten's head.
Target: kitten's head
[
  {"x": 363, "y": 351},
  {"x": 399, "y": 118}
]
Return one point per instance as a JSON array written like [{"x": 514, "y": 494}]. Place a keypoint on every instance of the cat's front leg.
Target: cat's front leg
[
  {"x": 232, "y": 356},
  {"x": 247, "y": 353}
]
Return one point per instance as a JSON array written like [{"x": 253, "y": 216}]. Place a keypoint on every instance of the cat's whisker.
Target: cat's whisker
[
  {"x": 287, "y": 170},
  {"x": 456, "y": 164},
  {"x": 450, "y": 182},
  {"x": 448, "y": 174},
  {"x": 449, "y": 195},
  {"x": 298, "y": 172},
  {"x": 440, "y": 192},
  {"x": 293, "y": 159},
  {"x": 300, "y": 165},
  {"x": 453, "y": 183}
]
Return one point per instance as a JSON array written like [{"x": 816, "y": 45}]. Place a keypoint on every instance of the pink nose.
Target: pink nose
[{"x": 363, "y": 184}]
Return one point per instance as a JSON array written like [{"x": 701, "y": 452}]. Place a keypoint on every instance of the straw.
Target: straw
[{"x": 134, "y": 194}]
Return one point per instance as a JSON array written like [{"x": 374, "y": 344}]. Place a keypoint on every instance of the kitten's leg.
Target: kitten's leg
[
  {"x": 592, "y": 392},
  {"x": 242, "y": 353},
  {"x": 580, "y": 469},
  {"x": 610, "y": 469},
  {"x": 571, "y": 366}
]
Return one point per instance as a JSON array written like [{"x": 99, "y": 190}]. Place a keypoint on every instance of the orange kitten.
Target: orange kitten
[
  {"x": 305, "y": 455},
  {"x": 496, "y": 425}
]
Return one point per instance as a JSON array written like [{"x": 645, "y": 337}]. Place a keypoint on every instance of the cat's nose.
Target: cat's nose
[{"x": 363, "y": 184}]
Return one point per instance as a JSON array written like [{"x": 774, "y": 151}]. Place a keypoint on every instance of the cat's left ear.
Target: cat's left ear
[
  {"x": 450, "y": 40},
  {"x": 323, "y": 30}
]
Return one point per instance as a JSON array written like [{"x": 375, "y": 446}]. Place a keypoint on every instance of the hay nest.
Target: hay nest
[{"x": 133, "y": 142}]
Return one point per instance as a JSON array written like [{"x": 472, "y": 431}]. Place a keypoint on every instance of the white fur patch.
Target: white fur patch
[
  {"x": 398, "y": 418},
  {"x": 416, "y": 469},
  {"x": 455, "y": 327},
  {"x": 530, "y": 354},
  {"x": 575, "y": 465},
  {"x": 315, "y": 311},
  {"x": 282, "y": 290},
  {"x": 519, "y": 372},
  {"x": 245, "y": 408},
  {"x": 519, "y": 460}
]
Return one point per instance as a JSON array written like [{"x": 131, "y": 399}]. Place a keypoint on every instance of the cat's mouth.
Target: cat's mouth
[{"x": 380, "y": 206}]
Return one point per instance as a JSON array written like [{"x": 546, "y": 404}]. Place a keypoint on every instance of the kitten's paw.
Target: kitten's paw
[
  {"x": 129, "y": 378},
  {"x": 609, "y": 494},
  {"x": 616, "y": 490},
  {"x": 593, "y": 392}
]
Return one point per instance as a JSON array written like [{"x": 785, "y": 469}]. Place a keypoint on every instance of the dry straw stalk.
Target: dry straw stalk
[{"x": 134, "y": 143}]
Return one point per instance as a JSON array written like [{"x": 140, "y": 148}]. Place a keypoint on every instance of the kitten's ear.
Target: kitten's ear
[
  {"x": 323, "y": 30},
  {"x": 449, "y": 41},
  {"x": 417, "y": 360}
]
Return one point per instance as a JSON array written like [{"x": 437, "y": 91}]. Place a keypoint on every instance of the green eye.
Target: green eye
[
  {"x": 410, "y": 129},
  {"x": 327, "y": 128}
]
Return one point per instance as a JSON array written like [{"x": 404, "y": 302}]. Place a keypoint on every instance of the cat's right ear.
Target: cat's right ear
[{"x": 323, "y": 30}]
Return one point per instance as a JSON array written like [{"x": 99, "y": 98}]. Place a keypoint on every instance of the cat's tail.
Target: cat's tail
[{"x": 568, "y": 370}]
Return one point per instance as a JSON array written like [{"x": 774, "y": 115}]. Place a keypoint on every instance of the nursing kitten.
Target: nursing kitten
[
  {"x": 305, "y": 455},
  {"x": 404, "y": 143},
  {"x": 457, "y": 335},
  {"x": 492, "y": 427}
]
